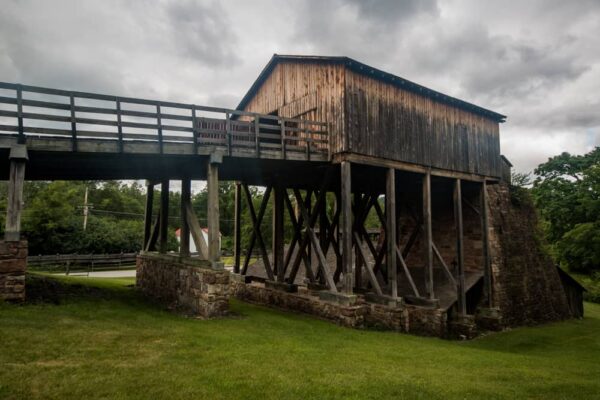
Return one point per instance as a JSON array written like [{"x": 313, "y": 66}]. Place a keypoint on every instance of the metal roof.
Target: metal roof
[{"x": 375, "y": 73}]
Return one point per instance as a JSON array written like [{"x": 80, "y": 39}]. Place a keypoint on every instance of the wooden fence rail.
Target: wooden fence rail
[
  {"x": 31, "y": 110},
  {"x": 82, "y": 259}
]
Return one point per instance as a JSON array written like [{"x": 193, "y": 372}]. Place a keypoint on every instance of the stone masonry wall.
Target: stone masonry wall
[
  {"x": 13, "y": 263},
  {"x": 402, "y": 318},
  {"x": 526, "y": 285},
  {"x": 184, "y": 284}
]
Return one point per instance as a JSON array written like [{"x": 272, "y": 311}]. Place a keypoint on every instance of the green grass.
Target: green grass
[{"x": 109, "y": 343}]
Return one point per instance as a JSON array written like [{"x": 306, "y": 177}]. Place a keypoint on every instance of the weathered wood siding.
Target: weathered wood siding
[
  {"x": 374, "y": 118},
  {"x": 312, "y": 91},
  {"x": 388, "y": 122}
]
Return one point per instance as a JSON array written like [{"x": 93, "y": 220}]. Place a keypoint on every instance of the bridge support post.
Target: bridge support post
[
  {"x": 487, "y": 270},
  {"x": 458, "y": 217},
  {"x": 148, "y": 213},
  {"x": 237, "y": 229},
  {"x": 428, "y": 234},
  {"x": 346, "y": 231},
  {"x": 186, "y": 194},
  {"x": 212, "y": 183},
  {"x": 164, "y": 216},
  {"x": 18, "y": 158},
  {"x": 278, "y": 239},
  {"x": 390, "y": 231}
]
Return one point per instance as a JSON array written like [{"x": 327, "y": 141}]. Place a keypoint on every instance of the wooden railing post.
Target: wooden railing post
[
  {"x": 159, "y": 124},
  {"x": 282, "y": 123},
  {"x": 257, "y": 135},
  {"x": 21, "y": 139},
  {"x": 119, "y": 126},
  {"x": 487, "y": 268},
  {"x": 228, "y": 133},
  {"x": 73, "y": 123},
  {"x": 194, "y": 129}
]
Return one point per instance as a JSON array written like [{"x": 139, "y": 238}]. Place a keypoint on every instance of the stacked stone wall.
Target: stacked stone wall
[
  {"x": 13, "y": 263},
  {"x": 526, "y": 285},
  {"x": 185, "y": 284}
]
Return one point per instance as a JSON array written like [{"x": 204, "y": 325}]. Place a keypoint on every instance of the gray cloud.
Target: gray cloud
[{"x": 536, "y": 61}]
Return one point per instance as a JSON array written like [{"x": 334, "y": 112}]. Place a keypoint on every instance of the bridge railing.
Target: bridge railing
[{"x": 74, "y": 116}]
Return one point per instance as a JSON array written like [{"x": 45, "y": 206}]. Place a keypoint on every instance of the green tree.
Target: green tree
[{"x": 567, "y": 193}]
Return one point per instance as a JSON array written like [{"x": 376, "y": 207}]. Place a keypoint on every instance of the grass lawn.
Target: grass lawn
[{"x": 107, "y": 342}]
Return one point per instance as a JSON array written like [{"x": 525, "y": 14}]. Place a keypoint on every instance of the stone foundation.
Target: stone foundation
[
  {"x": 357, "y": 314},
  {"x": 13, "y": 263},
  {"x": 185, "y": 284}
]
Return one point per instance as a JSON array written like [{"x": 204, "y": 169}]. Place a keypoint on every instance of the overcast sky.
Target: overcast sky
[{"x": 536, "y": 61}]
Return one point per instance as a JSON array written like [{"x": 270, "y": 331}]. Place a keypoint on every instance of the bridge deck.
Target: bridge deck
[{"x": 50, "y": 120}]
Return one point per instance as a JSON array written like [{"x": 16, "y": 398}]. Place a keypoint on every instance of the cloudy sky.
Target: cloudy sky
[{"x": 536, "y": 61}]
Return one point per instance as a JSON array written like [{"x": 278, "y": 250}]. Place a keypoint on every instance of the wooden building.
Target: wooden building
[{"x": 332, "y": 141}]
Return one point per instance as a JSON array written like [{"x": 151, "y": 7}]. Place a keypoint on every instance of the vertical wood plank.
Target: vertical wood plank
[
  {"x": 346, "y": 225},
  {"x": 164, "y": 216},
  {"x": 186, "y": 194},
  {"x": 428, "y": 234},
  {"x": 390, "y": 231},
  {"x": 160, "y": 132},
  {"x": 73, "y": 124},
  {"x": 237, "y": 229},
  {"x": 119, "y": 126}
]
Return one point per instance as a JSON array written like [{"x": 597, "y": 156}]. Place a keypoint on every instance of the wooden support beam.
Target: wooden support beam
[
  {"x": 148, "y": 213},
  {"x": 359, "y": 258},
  {"x": 487, "y": 266},
  {"x": 184, "y": 239},
  {"x": 313, "y": 238},
  {"x": 196, "y": 231},
  {"x": 164, "y": 216},
  {"x": 153, "y": 239},
  {"x": 370, "y": 273},
  {"x": 346, "y": 225},
  {"x": 257, "y": 235},
  {"x": 279, "y": 193},
  {"x": 458, "y": 217},
  {"x": 390, "y": 231},
  {"x": 14, "y": 204},
  {"x": 407, "y": 273},
  {"x": 212, "y": 215},
  {"x": 237, "y": 230},
  {"x": 428, "y": 234},
  {"x": 297, "y": 226}
]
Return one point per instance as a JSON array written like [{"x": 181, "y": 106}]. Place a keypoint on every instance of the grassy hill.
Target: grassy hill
[{"x": 85, "y": 338}]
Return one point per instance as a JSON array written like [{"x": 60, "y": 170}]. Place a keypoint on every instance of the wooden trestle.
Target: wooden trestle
[{"x": 326, "y": 198}]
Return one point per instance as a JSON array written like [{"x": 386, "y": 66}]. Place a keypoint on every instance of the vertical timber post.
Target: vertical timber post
[
  {"x": 458, "y": 217},
  {"x": 186, "y": 197},
  {"x": 164, "y": 216},
  {"x": 212, "y": 183},
  {"x": 390, "y": 231},
  {"x": 358, "y": 263},
  {"x": 148, "y": 213},
  {"x": 277, "y": 241},
  {"x": 18, "y": 158},
  {"x": 428, "y": 234},
  {"x": 237, "y": 229},
  {"x": 346, "y": 225},
  {"x": 487, "y": 270}
]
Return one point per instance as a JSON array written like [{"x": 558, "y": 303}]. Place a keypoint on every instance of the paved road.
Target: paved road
[{"x": 127, "y": 273}]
